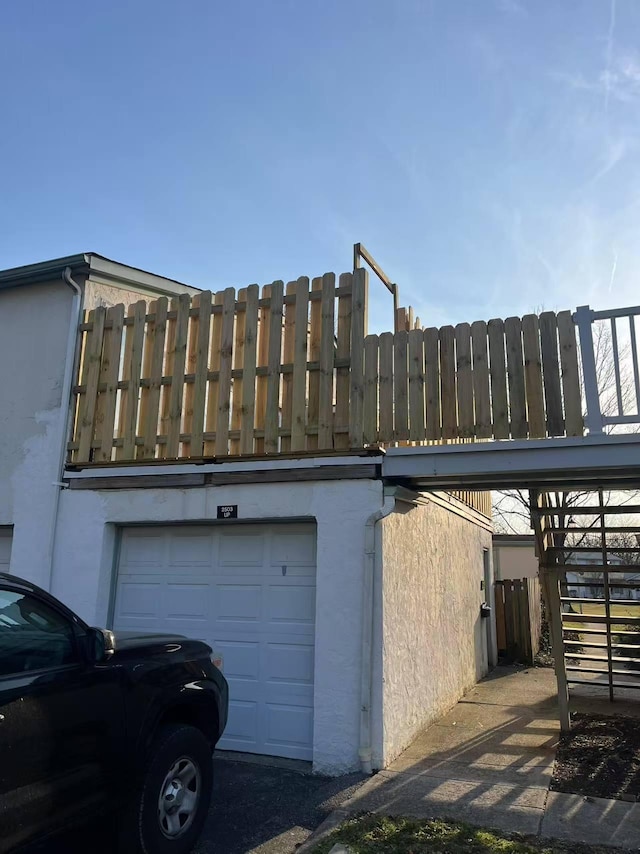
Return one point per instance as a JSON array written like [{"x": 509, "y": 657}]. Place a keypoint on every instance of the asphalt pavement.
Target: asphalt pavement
[{"x": 257, "y": 808}]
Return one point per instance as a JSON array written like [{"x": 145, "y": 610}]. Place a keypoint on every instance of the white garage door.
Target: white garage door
[
  {"x": 249, "y": 592},
  {"x": 5, "y": 548}
]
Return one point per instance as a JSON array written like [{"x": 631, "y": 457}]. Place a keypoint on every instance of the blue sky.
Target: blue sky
[{"x": 485, "y": 151}]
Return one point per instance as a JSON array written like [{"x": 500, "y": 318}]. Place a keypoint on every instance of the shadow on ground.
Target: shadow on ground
[
  {"x": 268, "y": 809},
  {"x": 255, "y": 808}
]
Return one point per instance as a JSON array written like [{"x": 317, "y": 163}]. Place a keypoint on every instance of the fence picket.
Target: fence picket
[
  {"x": 300, "y": 357},
  {"x": 92, "y": 360},
  {"x": 315, "y": 342},
  {"x": 263, "y": 360},
  {"x": 288, "y": 356},
  {"x": 515, "y": 372},
  {"x": 464, "y": 381},
  {"x": 448, "y": 383},
  {"x": 343, "y": 350},
  {"x": 574, "y": 424},
  {"x": 179, "y": 358},
  {"x": 201, "y": 327},
  {"x": 215, "y": 346},
  {"x": 109, "y": 374},
  {"x": 386, "y": 392},
  {"x": 416, "y": 386},
  {"x": 498, "y": 375},
  {"x": 432, "y": 374},
  {"x": 401, "y": 386},
  {"x": 482, "y": 400},
  {"x": 551, "y": 373},
  {"x": 327, "y": 354},
  {"x": 272, "y": 414},
  {"x": 149, "y": 413},
  {"x": 533, "y": 376},
  {"x": 134, "y": 369},
  {"x": 165, "y": 392},
  {"x": 226, "y": 365},
  {"x": 370, "y": 389},
  {"x": 238, "y": 363},
  {"x": 249, "y": 393}
]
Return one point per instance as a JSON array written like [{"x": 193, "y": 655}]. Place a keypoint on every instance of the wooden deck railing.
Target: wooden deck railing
[{"x": 293, "y": 370}]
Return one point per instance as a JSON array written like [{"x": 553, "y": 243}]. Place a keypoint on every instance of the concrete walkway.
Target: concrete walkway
[{"x": 489, "y": 762}]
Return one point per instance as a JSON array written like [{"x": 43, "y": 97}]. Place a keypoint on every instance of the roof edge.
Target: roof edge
[{"x": 43, "y": 271}]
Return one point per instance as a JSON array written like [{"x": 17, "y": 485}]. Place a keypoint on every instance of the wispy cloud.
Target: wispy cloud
[
  {"x": 614, "y": 267},
  {"x": 615, "y": 150}
]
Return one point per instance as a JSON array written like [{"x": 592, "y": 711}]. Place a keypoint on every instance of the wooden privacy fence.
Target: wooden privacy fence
[
  {"x": 293, "y": 370},
  {"x": 511, "y": 379},
  {"x": 518, "y": 609},
  {"x": 221, "y": 374}
]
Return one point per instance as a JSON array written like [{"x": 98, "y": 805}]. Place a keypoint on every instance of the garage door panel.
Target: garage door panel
[
  {"x": 244, "y": 548},
  {"x": 228, "y": 588},
  {"x": 288, "y": 662},
  {"x": 186, "y": 600},
  {"x": 241, "y": 658},
  {"x": 137, "y": 599},
  {"x": 243, "y": 724},
  {"x": 191, "y": 548},
  {"x": 294, "y": 546},
  {"x": 145, "y": 550},
  {"x": 288, "y": 725},
  {"x": 238, "y": 602},
  {"x": 291, "y": 603}
]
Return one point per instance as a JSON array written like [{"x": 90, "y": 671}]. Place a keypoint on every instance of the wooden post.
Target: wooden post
[{"x": 551, "y": 583}]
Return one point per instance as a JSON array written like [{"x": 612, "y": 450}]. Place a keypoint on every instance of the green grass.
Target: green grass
[
  {"x": 616, "y": 610},
  {"x": 373, "y": 834}
]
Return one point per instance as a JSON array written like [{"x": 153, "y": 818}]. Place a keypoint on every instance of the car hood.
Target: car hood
[{"x": 159, "y": 642}]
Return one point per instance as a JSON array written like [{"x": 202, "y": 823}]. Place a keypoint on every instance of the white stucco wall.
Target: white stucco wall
[
  {"x": 434, "y": 644},
  {"x": 84, "y": 564},
  {"x": 34, "y": 325}
]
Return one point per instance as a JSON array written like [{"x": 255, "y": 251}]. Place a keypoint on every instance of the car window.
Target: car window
[{"x": 33, "y": 636}]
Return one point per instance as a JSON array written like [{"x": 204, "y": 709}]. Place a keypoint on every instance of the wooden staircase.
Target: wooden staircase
[{"x": 588, "y": 546}]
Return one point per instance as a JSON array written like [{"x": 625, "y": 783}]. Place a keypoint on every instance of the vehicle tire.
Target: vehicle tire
[{"x": 173, "y": 797}]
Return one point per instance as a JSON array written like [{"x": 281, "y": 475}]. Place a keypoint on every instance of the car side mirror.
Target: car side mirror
[{"x": 104, "y": 644}]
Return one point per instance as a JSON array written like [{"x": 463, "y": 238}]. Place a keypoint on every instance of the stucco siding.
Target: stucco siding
[
  {"x": 434, "y": 642},
  {"x": 85, "y": 558}
]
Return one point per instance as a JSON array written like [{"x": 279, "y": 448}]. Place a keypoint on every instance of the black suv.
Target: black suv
[{"x": 93, "y": 721}]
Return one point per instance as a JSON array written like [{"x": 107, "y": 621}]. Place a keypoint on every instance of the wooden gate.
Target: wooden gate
[{"x": 518, "y": 618}]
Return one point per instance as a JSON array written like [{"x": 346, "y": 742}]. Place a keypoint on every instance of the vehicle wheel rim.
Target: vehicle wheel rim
[{"x": 179, "y": 798}]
